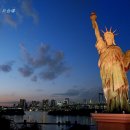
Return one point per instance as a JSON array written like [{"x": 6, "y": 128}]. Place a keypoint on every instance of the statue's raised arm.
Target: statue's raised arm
[
  {"x": 93, "y": 18},
  {"x": 100, "y": 44}
]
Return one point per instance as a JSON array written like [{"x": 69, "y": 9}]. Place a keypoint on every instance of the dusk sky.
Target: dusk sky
[{"x": 47, "y": 47}]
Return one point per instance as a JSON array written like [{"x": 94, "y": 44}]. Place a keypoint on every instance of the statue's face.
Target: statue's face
[{"x": 109, "y": 39}]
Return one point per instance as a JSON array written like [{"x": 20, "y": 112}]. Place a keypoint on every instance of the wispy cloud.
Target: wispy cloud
[
  {"x": 56, "y": 66},
  {"x": 34, "y": 78},
  {"x": 81, "y": 93},
  {"x": 41, "y": 59},
  {"x": 29, "y": 10},
  {"x": 51, "y": 65},
  {"x": 25, "y": 54},
  {"x": 10, "y": 21},
  {"x": 22, "y": 8},
  {"x": 70, "y": 93},
  {"x": 7, "y": 67},
  {"x": 26, "y": 71},
  {"x": 39, "y": 90}
]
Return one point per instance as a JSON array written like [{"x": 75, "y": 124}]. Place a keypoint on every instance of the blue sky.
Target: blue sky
[{"x": 48, "y": 47}]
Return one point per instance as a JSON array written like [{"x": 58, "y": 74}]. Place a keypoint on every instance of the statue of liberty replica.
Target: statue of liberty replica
[{"x": 113, "y": 64}]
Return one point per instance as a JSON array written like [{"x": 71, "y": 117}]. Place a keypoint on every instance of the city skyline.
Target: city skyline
[{"x": 48, "y": 47}]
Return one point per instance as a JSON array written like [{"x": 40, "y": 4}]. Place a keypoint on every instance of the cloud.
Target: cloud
[
  {"x": 54, "y": 71},
  {"x": 34, "y": 78},
  {"x": 56, "y": 66},
  {"x": 22, "y": 8},
  {"x": 6, "y": 67},
  {"x": 70, "y": 92},
  {"x": 26, "y": 71},
  {"x": 27, "y": 57},
  {"x": 82, "y": 93},
  {"x": 42, "y": 58},
  {"x": 10, "y": 21},
  {"x": 20, "y": 17},
  {"x": 29, "y": 10},
  {"x": 39, "y": 90},
  {"x": 51, "y": 65}
]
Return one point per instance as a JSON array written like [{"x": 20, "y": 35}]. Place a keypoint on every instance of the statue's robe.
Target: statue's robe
[{"x": 113, "y": 75}]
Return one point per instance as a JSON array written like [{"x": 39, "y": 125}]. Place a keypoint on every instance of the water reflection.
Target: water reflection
[{"x": 43, "y": 117}]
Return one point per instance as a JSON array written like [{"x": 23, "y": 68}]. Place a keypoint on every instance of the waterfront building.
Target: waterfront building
[
  {"x": 67, "y": 101},
  {"x": 23, "y": 104},
  {"x": 45, "y": 104},
  {"x": 53, "y": 103},
  {"x": 59, "y": 103}
]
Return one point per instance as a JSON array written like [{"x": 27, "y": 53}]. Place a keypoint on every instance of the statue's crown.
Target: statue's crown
[{"x": 112, "y": 34}]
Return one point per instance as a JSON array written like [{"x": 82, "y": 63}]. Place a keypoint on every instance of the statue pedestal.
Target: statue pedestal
[{"x": 112, "y": 121}]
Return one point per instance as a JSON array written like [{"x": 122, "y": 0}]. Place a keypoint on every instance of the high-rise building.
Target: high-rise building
[
  {"x": 67, "y": 101},
  {"x": 22, "y": 104},
  {"x": 45, "y": 104},
  {"x": 53, "y": 103},
  {"x": 35, "y": 104},
  {"x": 84, "y": 101}
]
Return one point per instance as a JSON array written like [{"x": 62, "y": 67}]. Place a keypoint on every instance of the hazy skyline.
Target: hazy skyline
[{"x": 48, "y": 47}]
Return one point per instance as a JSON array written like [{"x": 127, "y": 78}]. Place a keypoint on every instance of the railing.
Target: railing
[{"x": 67, "y": 123}]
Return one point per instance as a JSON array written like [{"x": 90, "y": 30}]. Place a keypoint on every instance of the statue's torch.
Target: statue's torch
[{"x": 93, "y": 18}]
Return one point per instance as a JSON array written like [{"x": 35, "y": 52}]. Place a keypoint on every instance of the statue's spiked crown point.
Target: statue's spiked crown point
[{"x": 109, "y": 32}]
